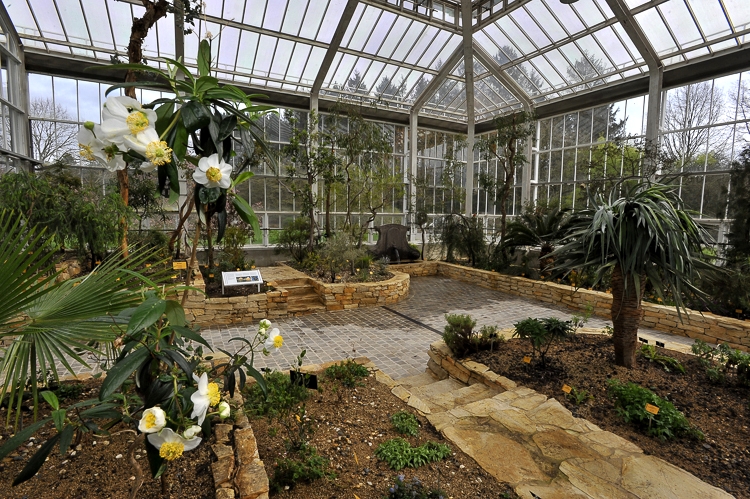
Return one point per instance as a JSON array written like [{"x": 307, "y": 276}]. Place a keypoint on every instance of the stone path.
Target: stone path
[
  {"x": 397, "y": 337},
  {"x": 534, "y": 443}
]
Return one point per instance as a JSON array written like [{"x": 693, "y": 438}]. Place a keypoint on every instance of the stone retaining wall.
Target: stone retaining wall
[
  {"x": 274, "y": 304},
  {"x": 345, "y": 296},
  {"x": 693, "y": 324}
]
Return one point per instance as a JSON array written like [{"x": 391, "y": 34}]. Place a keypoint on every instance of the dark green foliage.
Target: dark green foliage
[
  {"x": 306, "y": 466},
  {"x": 294, "y": 238},
  {"x": 232, "y": 255},
  {"x": 405, "y": 423},
  {"x": 399, "y": 454},
  {"x": 68, "y": 390},
  {"x": 668, "y": 363},
  {"x": 538, "y": 227},
  {"x": 461, "y": 338},
  {"x": 723, "y": 363},
  {"x": 347, "y": 373},
  {"x": 739, "y": 211},
  {"x": 413, "y": 489},
  {"x": 541, "y": 333},
  {"x": 630, "y": 403},
  {"x": 283, "y": 396}
]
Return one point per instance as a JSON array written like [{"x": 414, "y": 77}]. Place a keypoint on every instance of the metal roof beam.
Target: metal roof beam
[
  {"x": 444, "y": 25},
  {"x": 333, "y": 47},
  {"x": 497, "y": 15},
  {"x": 510, "y": 84},
  {"x": 438, "y": 79}
]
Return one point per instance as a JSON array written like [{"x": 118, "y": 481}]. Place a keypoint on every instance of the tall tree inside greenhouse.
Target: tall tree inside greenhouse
[
  {"x": 641, "y": 233},
  {"x": 505, "y": 145},
  {"x": 738, "y": 252}
]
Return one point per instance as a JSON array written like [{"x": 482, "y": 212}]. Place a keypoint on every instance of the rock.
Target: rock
[
  {"x": 597, "y": 478},
  {"x": 222, "y": 432},
  {"x": 245, "y": 446},
  {"x": 225, "y": 493},
  {"x": 560, "y": 445},
  {"x": 501, "y": 457},
  {"x": 418, "y": 404},
  {"x": 649, "y": 476},
  {"x": 252, "y": 481},
  {"x": 401, "y": 393},
  {"x": 222, "y": 470}
]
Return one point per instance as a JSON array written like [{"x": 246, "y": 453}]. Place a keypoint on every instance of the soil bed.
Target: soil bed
[
  {"x": 98, "y": 468},
  {"x": 587, "y": 362},
  {"x": 354, "y": 425}
]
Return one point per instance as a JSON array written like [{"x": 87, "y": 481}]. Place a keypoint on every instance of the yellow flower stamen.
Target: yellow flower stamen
[
  {"x": 158, "y": 153},
  {"x": 171, "y": 450},
  {"x": 137, "y": 122},
  {"x": 149, "y": 420},
  {"x": 86, "y": 152},
  {"x": 213, "y": 174},
  {"x": 278, "y": 341},
  {"x": 214, "y": 397}
]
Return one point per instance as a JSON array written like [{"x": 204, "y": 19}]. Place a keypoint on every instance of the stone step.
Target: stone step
[
  {"x": 286, "y": 283},
  {"x": 410, "y": 382},
  {"x": 442, "y": 396},
  {"x": 300, "y": 290}
]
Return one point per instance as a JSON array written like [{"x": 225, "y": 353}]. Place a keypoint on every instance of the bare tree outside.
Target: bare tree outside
[
  {"x": 51, "y": 138},
  {"x": 688, "y": 113}
]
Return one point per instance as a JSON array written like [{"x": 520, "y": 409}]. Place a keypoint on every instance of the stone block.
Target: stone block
[
  {"x": 223, "y": 469},
  {"x": 252, "y": 481},
  {"x": 222, "y": 432},
  {"x": 246, "y": 447}
]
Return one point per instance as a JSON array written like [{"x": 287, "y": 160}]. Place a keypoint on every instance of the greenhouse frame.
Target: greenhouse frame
[{"x": 664, "y": 75}]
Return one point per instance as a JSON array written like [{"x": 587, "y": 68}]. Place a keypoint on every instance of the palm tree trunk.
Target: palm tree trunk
[{"x": 626, "y": 316}]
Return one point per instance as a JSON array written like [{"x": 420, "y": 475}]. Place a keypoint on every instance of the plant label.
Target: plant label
[
  {"x": 566, "y": 389},
  {"x": 179, "y": 265},
  {"x": 527, "y": 359},
  {"x": 652, "y": 409},
  {"x": 738, "y": 311}
]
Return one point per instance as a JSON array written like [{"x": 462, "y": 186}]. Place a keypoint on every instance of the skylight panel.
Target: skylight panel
[
  {"x": 120, "y": 10},
  {"x": 520, "y": 40},
  {"x": 232, "y": 10},
  {"x": 394, "y": 37},
  {"x": 281, "y": 58},
  {"x": 380, "y": 32},
  {"x": 614, "y": 47},
  {"x": 553, "y": 66},
  {"x": 297, "y": 61},
  {"x": 656, "y": 32},
  {"x": 545, "y": 19},
  {"x": 446, "y": 52},
  {"x": 589, "y": 12},
  {"x": 681, "y": 23},
  {"x": 254, "y": 12},
  {"x": 266, "y": 49},
  {"x": 165, "y": 32},
  {"x": 422, "y": 45},
  {"x": 228, "y": 43},
  {"x": 20, "y": 13},
  {"x": 372, "y": 75},
  {"x": 275, "y": 13},
  {"x": 295, "y": 15},
  {"x": 711, "y": 18},
  {"x": 331, "y": 20},
  {"x": 74, "y": 23},
  {"x": 437, "y": 45},
  {"x": 738, "y": 13},
  {"x": 568, "y": 17},
  {"x": 313, "y": 64},
  {"x": 49, "y": 23},
  {"x": 316, "y": 9},
  {"x": 410, "y": 38},
  {"x": 364, "y": 28},
  {"x": 246, "y": 51},
  {"x": 530, "y": 27}
]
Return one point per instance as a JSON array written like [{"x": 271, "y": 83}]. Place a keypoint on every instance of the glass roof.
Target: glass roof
[{"x": 391, "y": 50}]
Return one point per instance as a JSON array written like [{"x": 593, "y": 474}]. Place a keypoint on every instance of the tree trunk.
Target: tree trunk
[
  {"x": 124, "y": 183},
  {"x": 626, "y": 316}
]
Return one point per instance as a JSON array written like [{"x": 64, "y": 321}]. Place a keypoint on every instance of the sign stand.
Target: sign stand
[{"x": 241, "y": 278}]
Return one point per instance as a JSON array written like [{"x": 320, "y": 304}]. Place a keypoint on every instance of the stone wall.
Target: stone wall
[
  {"x": 345, "y": 296},
  {"x": 693, "y": 324},
  {"x": 274, "y": 304}
]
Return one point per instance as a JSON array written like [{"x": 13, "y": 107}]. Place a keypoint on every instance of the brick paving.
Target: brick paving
[{"x": 396, "y": 337}]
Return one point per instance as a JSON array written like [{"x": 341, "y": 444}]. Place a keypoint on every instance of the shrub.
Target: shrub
[
  {"x": 630, "y": 403},
  {"x": 413, "y": 489},
  {"x": 460, "y": 337},
  {"x": 405, "y": 423},
  {"x": 308, "y": 466},
  {"x": 294, "y": 238},
  {"x": 399, "y": 454},
  {"x": 347, "y": 373},
  {"x": 668, "y": 363},
  {"x": 283, "y": 396},
  {"x": 541, "y": 333},
  {"x": 232, "y": 255},
  {"x": 723, "y": 362}
]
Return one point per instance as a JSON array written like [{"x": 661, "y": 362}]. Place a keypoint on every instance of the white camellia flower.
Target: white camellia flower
[
  {"x": 152, "y": 421},
  {"x": 207, "y": 395},
  {"x": 171, "y": 445},
  {"x": 193, "y": 431},
  {"x": 213, "y": 172},
  {"x": 151, "y": 146},
  {"x": 224, "y": 410},
  {"x": 93, "y": 148},
  {"x": 122, "y": 116},
  {"x": 274, "y": 340},
  {"x": 265, "y": 324}
]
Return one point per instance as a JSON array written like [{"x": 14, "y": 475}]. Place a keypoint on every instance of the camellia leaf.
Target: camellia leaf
[
  {"x": 258, "y": 377},
  {"x": 175, "y": 313},
  {"x": 51, "y": 399},
  {"x": 164, "y": 114},
  {"x": 66, "y": 437},
  {"x": 191, "y": 335},
  {"x": 246, "y": 213},
  {"x": 221, "y": 218},
  {"x": 195, "y": 116},
  {"x": 20, "y": 437},
  {"x": 117, "y": 375},
  {"x": 227, "y": 126},
  {"x": 242, "y": 177},
  {"x": 36, "y": 461},
  {"x": 209, "y": 194},
  {"x": 58, "y": 416},
  {"x": 180, "y": 140},
  {"x": 146, "y": 315},
  {"x": 204, "y": 58}
]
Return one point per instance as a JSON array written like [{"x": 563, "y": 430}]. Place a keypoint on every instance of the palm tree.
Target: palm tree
[
  {"x": 643, "y": 235},
  {"x": 543, "y": 228},
  {"x": 47, "y": 321}
]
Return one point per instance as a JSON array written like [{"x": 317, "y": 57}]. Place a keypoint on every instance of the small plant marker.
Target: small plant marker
[
  {"x": 527, "y": 359},
  {"x": 210, "y": 275},
  {"x": 566, "y": 389},
  {"x": 652, "y": 409},
  {"x": 179, "y": 265},
  {"x": 738, "y": 311}
]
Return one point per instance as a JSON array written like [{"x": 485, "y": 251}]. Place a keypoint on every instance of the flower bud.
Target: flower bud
[
  {"x": 224, "y": 410},
  {"x": 192, "y": 432},
  {"x": 89, "y": 125}
]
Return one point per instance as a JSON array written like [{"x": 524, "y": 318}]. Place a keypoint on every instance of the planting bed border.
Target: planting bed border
[
  {"x": 275, "y": 303},
  {"x": 693, "y": 324}
]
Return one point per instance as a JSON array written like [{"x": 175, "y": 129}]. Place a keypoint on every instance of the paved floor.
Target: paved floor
[{"x": 397, "y": 337}]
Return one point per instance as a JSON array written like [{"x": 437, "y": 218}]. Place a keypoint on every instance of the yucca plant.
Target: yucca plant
[
  {"x": 642, "y": 233},
  {"x": 48, "y": 321}
]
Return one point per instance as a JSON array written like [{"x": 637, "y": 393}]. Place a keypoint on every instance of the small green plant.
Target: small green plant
[
  {"x": 283, "y": 396},
  {"x": 461, "y": 338},
  {"x": 399, "y": 454},
  {"x": 306, "y": 466},
  {"x": 630, "y": 403},
  {"x": 581, "y": 320},
  {"x": 413, "y": 489},
  {"x": 665, "y": 361},
  {"x": 723, "y": 362},
  {"x": 347, "y": 373},
  {"x": 541, "y": 333},
  {"x": 577, "y": 396},
  {"x": 608, "y": 330},
  {"x": 68, "y": 390},
  {"x": 405, "y": 423}
]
